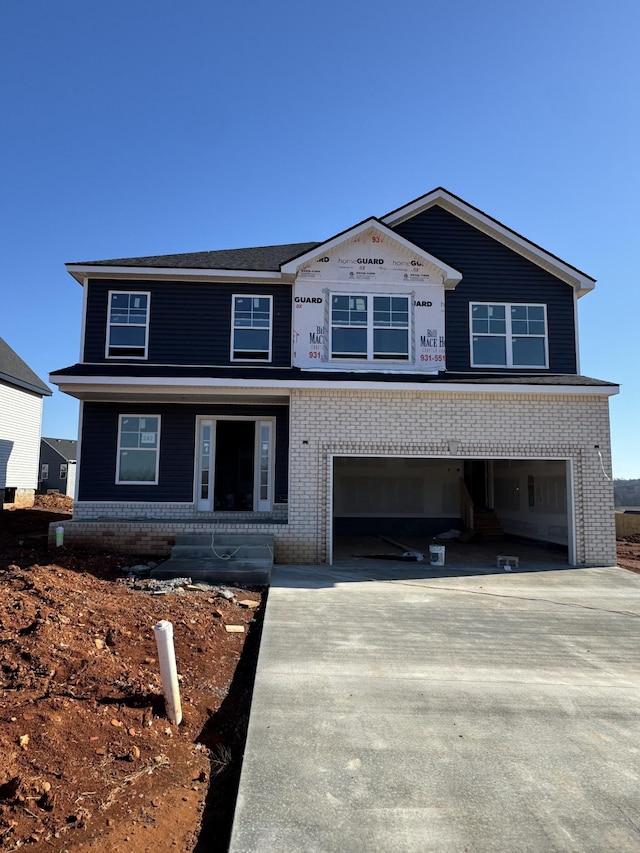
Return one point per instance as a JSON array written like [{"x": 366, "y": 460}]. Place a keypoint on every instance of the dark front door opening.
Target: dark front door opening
[{"x": 234, "y": 471}]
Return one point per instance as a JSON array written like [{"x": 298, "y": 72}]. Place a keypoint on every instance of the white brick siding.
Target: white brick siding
[{"x": 484, "y": 425}]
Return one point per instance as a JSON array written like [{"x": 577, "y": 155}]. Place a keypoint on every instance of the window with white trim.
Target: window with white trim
[
  {"x": 128, "y": 324},
  {"x": 508, "y": 335},
  {"x": 251, "y": 328},
  {"x": 63, "y": 470},
  {"x": 138, "y": 449},
  {"x": 44, "y": 471},
  {"x": 369, "y": 327}
]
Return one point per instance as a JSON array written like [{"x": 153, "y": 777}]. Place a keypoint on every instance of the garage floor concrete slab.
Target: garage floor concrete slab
[{"x": 397, "y": 711}]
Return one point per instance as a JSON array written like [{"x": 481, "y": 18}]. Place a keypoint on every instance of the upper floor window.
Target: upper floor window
[
  {"x": 369, "y": 327},
  {"x": 138, "y": 449},
  {"x": 506, "y": 335},
  {"x": 128, "y": 325},
  {"x": 251, "y": 328}
]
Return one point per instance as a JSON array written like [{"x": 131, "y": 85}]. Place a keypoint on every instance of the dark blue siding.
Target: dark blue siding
[
  {"x": 491, "y": 273},
  {"x": 189, "y": 323},
  {"x": 97, "y": 477}
]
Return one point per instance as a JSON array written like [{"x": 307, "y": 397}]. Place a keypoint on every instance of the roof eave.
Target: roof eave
[{"x": 82, "y": 272}]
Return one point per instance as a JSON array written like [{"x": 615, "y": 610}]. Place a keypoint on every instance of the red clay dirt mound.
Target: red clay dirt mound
[{"x": 88, "y": 759}]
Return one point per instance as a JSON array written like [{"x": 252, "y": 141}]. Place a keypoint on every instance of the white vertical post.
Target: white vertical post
[{"x": 168, "y": 671}]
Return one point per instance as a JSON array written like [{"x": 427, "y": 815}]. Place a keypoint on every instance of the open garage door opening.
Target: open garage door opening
[{"x": 490, "y": 505}]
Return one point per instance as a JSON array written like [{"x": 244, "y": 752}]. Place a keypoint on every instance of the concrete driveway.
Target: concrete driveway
[{"x": 495, "y": 712}]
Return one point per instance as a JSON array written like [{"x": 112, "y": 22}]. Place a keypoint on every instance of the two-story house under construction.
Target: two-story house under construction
[{"x": 390, "y": 379}]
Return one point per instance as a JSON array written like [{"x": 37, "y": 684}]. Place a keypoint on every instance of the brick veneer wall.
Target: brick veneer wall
[
  {"x": 484, "y": 425},
  {"x": 399, "y": 423}
]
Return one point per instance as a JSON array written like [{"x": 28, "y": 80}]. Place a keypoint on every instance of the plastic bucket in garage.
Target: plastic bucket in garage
[{"x": 436, "y": 555}]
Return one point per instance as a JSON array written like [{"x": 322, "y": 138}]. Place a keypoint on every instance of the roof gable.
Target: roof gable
[
  {"x": 371, "y": 233},
  {"x": 580, "y": 281},
  {"x": 65, "y": 447}
]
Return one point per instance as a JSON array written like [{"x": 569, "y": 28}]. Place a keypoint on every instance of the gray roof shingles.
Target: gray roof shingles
[
  {"x": 66, "y": 447},
  {"x": 257, "y": 259},
  {"x": 14, "y": 371}
]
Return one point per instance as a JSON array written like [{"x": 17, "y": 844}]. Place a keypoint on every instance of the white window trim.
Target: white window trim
[
  {"x": 509, "y": 336},
  {"x": 64, "y": 468},
  {"x": 370, "y": 356},
  {"x": 233, "y": 326},
  {"x": 207, "y": 504},
  {"x": 153, "y": 482},
  {"x": 146, "y": 327},
  {"x": 44, "y": 471}
]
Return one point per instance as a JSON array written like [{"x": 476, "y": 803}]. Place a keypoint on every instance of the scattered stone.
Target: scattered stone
[
  {"x": 23, "y": 740},
  {"x": 110, "y": 638},
  {"x": 168, "y": 585},
  {"x": 134, "y": 753},
  {"x": 234, "y": 629},
  {"x": 99, "y": 644},
  {"x": 249, "y": 603},
  {"x": 116, "y": 723}
]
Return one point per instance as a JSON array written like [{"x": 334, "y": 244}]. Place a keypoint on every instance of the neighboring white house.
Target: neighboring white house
[{"x": 21, "y": 395}]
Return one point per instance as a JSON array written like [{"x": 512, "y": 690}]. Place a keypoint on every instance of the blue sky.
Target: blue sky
[{"x": 139, "y": 128}]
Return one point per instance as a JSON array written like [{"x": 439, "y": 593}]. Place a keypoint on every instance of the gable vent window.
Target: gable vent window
[
  {"x": 128, "y": 332},
  {"x": 251, "y": 328},
  {"x": 507, "y": 335}
]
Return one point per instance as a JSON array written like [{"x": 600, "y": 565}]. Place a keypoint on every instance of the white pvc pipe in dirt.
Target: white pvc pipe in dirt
[{"x": 168, "y": 671}]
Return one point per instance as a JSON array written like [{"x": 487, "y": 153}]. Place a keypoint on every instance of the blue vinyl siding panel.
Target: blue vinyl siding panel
[
  {"x": 189, "y": 323},
  {"x": 97, "y": 476},
  {"x": 492, "y": 273}
]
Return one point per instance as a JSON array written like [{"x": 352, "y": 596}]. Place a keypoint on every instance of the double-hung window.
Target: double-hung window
[
  {"x": 44, "y": 471},
  {"x": 128, "y": 325},
  {"x": 508, "y": 335},
  {"x": 138, "y": 449},
  {"x": 369, "y": 327},
  {"x": 251, "y": 328},
  {"x": 63, "y": 471}
]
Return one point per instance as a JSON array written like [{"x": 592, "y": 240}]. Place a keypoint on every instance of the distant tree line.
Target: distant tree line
[{"x": 626, "y": 493}]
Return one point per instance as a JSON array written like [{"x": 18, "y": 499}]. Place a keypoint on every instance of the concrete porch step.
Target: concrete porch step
[{"x": 233, "y": 558}]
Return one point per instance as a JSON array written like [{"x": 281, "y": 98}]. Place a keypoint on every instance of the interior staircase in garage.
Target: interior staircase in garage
[
  {"x": 487, "y": 524},
  {"x": 242, "y": 559}
]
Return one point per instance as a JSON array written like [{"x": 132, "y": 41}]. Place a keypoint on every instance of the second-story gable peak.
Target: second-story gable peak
[
  {"x": 580, "y": 281},
  {"x": 370, "y": 252}
]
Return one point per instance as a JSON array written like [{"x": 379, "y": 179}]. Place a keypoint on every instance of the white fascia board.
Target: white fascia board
[
  {"x": 450, "y": 275},
  {"x": 82, "y": 273},
  {"x": 78, "y": 383},
  {"x": 580, "y": 281}
]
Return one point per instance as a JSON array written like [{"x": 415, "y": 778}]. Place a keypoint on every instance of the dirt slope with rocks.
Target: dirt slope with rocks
[{"x": 88, "y": 759}]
